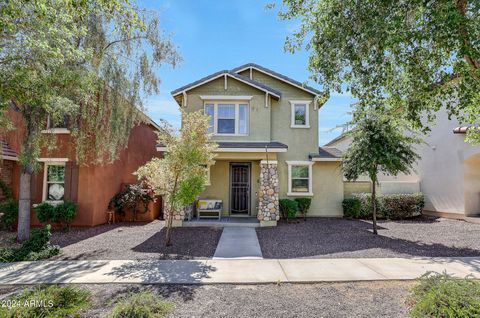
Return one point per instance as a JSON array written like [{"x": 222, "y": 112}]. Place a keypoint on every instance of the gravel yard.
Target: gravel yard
[
  {"x": 360, "y": 299},
  {"x": 344, "y": 238},
  {"x": 136, "y": 241}
]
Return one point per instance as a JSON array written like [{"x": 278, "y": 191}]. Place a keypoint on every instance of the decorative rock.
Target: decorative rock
[{"x": 268, "y": 194}]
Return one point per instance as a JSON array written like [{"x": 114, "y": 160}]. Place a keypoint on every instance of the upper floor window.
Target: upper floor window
[
  {"x": 300, "y": 114},
  {"x": 227, "y": 118}
]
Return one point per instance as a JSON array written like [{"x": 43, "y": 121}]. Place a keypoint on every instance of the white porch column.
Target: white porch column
[{"x": 268, "y": 209}]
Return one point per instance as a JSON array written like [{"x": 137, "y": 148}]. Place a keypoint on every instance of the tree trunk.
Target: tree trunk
[
  {"x": 374, "y": 204},
  {"x": 23, "y": 229},
  {"x": 168, "y": 235}
]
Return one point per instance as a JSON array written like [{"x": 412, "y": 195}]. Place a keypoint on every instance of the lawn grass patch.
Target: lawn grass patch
[
  {"x": 50, "y": 301},
  {"x": 441, "y": 295},
  {"x": 143, "y": 304}
]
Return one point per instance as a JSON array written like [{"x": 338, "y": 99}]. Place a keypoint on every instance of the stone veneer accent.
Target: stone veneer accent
[{"x": 268, "y": 209}]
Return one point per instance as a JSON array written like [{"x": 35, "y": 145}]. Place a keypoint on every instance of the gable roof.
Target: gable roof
[
  {"x": 326, "y": 154},
  {"x": 272, "y": 91},
  {"x": 279, "y": 76},
  {"x": 6, "y": 152},
  {"x": 336, "y": 139}
]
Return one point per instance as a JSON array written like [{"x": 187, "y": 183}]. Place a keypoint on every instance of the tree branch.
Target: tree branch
[{"x": 125, "y": 40}]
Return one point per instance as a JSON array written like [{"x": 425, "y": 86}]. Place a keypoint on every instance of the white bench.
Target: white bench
[{"x": 209, "y": 209}]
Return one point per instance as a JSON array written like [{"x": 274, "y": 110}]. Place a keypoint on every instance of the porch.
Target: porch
[{"x": 244, "y": 178}]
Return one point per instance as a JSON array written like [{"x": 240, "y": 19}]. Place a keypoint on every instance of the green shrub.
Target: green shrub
[
  {"x": 132, "y": 197},
  {"x": 288, "y": 208},
  {"x": 62, "y": 213},
  {"x": 52, "y": 301},
  {"x": 44, "y": 212},
  {"x": 303, "y": 205},
  {"x": 352, "y": 208},
  {"x": 37, "y": 247},
  {"x": 9, "y": 209},
  {"x": 141, "y": 305},
  {"x": 440, "y": 295},
  {"x": 389, "y": 206},
  {"x": 401, "y": 206}
]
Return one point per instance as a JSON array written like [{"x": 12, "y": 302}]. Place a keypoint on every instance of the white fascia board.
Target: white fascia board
[
  {"x": 52, "y": 159},
  {"x": 250, "y": 150},
  {"x": 9, "y": 158},
  {"x": 229, "y": 75},
  {"x": 326, "y": 159}
]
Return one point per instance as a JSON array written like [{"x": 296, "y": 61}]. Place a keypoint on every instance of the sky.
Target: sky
[{"x": 218, "y": 35}]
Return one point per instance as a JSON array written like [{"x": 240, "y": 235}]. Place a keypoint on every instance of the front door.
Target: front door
[{"x": 240, "y": 188}]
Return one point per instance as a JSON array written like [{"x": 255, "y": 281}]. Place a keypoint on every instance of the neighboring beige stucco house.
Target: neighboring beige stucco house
[
  {"x": 266, "y": 125},
  {"x": 448, "y": 172}
]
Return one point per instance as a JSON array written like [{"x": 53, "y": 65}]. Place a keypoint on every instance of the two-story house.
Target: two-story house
[{"x": 266, "y": 126}]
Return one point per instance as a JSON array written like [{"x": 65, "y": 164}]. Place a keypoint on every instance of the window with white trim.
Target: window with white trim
[
  {"x": 227, "y": 118},
  {"x": 300, "y": 114},
  {"x": 54, "y": 182},
  {"x": 300, "y": 178}
]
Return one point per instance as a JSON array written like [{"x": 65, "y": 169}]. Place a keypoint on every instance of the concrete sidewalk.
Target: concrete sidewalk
[
  {"x": 238, "y": 243},
  {"x": 233, "y": 271}
]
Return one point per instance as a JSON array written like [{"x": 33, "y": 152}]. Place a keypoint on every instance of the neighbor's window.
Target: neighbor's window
[
  {"x": 300, "y": 114},
  {"x": 300, "y": 178},
  {"x": 227, "y": 118},
  {"x": 62, "y": 123},
  {"x": 54, "y": 183}
]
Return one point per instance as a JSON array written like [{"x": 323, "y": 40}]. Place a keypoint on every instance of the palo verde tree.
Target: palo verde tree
[
  {"x": 414, "y": 56},
  {"x": 89, "y": 61},
  {"x": 379, "y": 144},
  {"x": 180, "y": 175}
]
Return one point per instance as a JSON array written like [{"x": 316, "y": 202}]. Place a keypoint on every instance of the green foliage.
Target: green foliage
[
  {"x": 58, "y": 301},
  {"x": 441, "y": 295},
  {"x": 352, "y": 208},
  {"x": 90, "y": 61},
  {"x": 9, "y": 209},
  {"x": 37, "y": 247},
  {"x": 62, "y": 213},
  {"x": 141, "y": 305},
  {"x": 288, "y": 208},
  {"x": 303, "y": 205},
  {"x": 411, "y": 56},
  {"x": 379, "y": 143},
  {"x": 401, "y": 206},
  {"x": 5, "y": 189},
  {"x": 390, "y": 206},
  {"x": 44, "y": 211}
]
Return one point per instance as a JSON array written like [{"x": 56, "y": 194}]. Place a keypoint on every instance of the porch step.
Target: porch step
[
  {"x": 238, "y": 243},
  {"x": 223, "y": 222}
]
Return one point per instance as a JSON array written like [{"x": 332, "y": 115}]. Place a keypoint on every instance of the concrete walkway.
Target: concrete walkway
[
  {"x": 238, "y": 243},
  {"x": 233, "y": 271}
]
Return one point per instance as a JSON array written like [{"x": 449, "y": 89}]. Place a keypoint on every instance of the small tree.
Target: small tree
[
  {"x": 379, "y": 144},
  {"x": 180, "y": 175}
]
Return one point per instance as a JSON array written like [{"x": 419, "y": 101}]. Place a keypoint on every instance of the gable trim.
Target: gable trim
[
  {"x": 274, "y": 75},
  {"x": 235, "y": 76}
]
